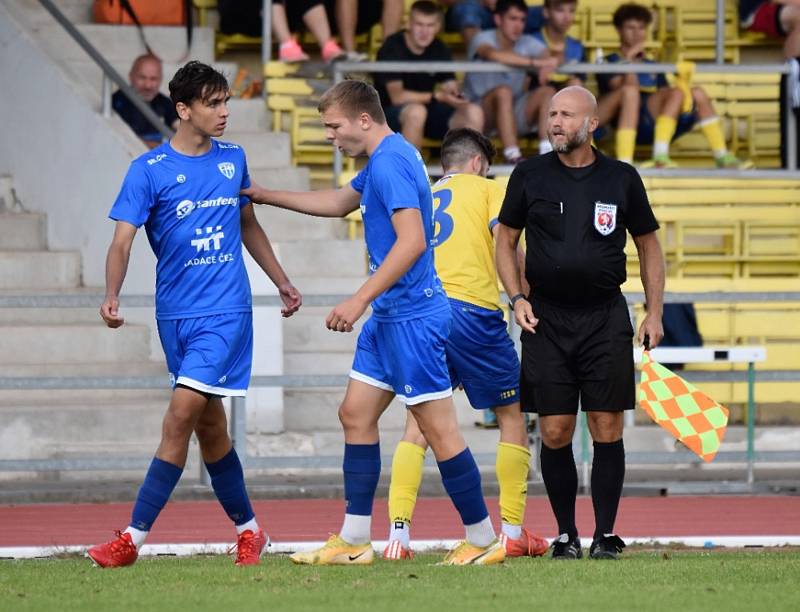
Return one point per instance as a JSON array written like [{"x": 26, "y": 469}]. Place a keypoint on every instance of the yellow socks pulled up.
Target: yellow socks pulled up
[
  {"x": 712, "y": 130},
  {"x": 664, "y": 131},
  {"x": 625, "y": 144},
  {"x": 512, "y": 467},
  {"x": 407, "y": 466}
]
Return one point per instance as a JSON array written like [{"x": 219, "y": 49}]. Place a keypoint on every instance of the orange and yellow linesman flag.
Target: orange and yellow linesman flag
[{"x": 679, "y": 407}]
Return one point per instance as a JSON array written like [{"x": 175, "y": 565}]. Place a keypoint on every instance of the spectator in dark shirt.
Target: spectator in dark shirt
[
  {"x": 423, "y": 104},
  {"x": 145, "y": 78}
]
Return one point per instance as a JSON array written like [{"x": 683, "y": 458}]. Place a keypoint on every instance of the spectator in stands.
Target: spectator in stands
[
  {"x": 145, "y": 78},
  {"x": 471, "y": 16},
  {"x": 663, "y": 116},
  {"x": 423, "y": 104},
  {"x": 776, "y": 19},
  {"x": 508, "y": 104},
  {"x": 559, "y": 15},
  {"x": 244, "y": 17},
  {"x": 358, "y": 16}
]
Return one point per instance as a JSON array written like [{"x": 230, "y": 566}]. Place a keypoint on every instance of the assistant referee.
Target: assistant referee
[{"x": 575, "y": 205}]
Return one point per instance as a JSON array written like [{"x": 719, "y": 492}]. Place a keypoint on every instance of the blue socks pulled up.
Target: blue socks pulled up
[
  {"x": 227, "y": 479},
  {"x": 362, "y": 469},
  {"x": 462, "y": 481},
  {"x": 158, "y": 485}
]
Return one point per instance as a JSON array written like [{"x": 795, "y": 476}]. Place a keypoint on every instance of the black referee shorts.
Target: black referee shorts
[{"x": 584, "y": 354}]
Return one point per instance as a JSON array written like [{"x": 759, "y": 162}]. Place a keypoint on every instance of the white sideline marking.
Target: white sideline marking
[{"x": 217, "y": 548}]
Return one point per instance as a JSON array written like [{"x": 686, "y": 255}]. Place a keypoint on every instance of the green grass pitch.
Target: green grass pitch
[{"x": 752, "y": 580}]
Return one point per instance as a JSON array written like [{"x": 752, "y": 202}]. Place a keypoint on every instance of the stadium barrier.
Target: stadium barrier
[{"x": 238, "y": 419}]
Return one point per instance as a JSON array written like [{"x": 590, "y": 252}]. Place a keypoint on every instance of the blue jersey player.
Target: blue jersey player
[
  {"x": 401, "y": 348},
  {"x": 186, "y": 194}
]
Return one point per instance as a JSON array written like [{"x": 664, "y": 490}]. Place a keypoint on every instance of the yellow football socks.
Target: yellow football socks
[
  {"x": 712, "y": 130},
  {"x": 406, "y": 477},
  {"x": 625, "y": 144},
  {"x": 513, "y": 464},
  {"x": 664, "y": 131}
]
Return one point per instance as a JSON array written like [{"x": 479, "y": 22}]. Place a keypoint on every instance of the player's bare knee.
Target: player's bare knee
[
  {"x": 555, "y": 434},
  {"x": 605, "y": 426}
]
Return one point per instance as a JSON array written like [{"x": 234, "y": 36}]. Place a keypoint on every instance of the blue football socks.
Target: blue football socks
[
  {"x": 227, "y": 479},
  {"x": 158, "y": 484}
]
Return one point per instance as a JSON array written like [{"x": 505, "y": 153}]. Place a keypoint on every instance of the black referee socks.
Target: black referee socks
[
  {"x": 608, "y": 473},
  {"x": 561, "y": 481}
]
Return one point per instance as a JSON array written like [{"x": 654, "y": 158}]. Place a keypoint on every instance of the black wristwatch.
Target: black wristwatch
[{"x": 515, "y": 298}]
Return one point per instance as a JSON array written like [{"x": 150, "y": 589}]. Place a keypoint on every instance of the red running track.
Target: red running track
[{"x": 312, "y": 520}]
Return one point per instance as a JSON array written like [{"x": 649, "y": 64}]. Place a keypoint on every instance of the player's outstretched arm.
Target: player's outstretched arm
[
  {"x": 119, "y": 253},
  {"x": 257, "y": 244},
  {"x": 322, "y": 203},
  {"x": 509, "y": 272},
  {"x": 408, "y": 247},
  {"x": 652, "y": 271}
]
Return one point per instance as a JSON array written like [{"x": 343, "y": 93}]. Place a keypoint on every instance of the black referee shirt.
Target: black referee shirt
[{"x": 575, "y": 221}]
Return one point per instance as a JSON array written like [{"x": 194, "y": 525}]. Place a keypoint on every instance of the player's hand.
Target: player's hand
[
  {"x": 653, "y": 328},
  {"x": 291, "y": 298},
  {"x": 456, "y": 101},
  {"x": 635, "y": 52},
  {"x": 256, "y": 193},
  {"x": 344, "y": 316},
  {"x": 523, "y": 313},
  {"x": 109, "y": 311}
]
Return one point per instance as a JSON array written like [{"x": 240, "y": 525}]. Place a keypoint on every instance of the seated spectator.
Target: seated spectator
[
  {"x": 508, "y": 104},
  {"x": 662, "y": 113},
  {"x": 471, "y": 16},
  {"x": 423, "y": 104},
  {"x": 287, "y": 16},
  {"x": 559, "y": 15},
  {"x": 358, "y": 16},
  {"x": 776, "y": 19},
  {"x": 145, "y": 78},
  {"x": 244, "y": 17}
]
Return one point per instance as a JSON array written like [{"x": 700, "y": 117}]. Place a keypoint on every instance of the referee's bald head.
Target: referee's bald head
[{"x": 582, "y": 98}]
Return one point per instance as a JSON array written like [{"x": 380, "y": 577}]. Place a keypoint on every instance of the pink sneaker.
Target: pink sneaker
[
  {"x": 291, "y": 52},
  {"x": 331, "y": 51}
]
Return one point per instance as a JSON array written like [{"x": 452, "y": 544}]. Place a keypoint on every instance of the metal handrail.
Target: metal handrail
[{"x": 108, "y": 72}]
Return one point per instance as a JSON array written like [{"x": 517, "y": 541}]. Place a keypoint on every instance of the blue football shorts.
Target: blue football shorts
[
  {"x": 405, "y": 357},
  {"x": 211, "y": 354},
  {"x": 481, "y": 356}
]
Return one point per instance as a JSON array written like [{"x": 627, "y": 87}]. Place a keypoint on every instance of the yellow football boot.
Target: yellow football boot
[
  {"x": 336, "y": 552},
  {"x": 469, "y": 554}
]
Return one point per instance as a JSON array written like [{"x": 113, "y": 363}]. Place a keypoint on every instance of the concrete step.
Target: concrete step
[
  {"x": 50, "y": 431},
  {"x": 305, "y": 332},
  {"x": 49, "y": 316},
  {"x": 335, "y": 258},
  {"x": 22, "y": 231},
  {"x": 40, "y": 269},
  {"x": 290, "y": 178},
  {"x": 51, "y": 344},
  {"x": 133, "y": 367},
  {"x": 248, "y": 115},
  {"x": 283, "y": 225},
  {"x": 121, "y": 43},
  {"x": 6, "y": 197},
  {"x": 263, "y": 149},
  {"x": 77, "y": 11},
  {"x": 317, "y": 363}
]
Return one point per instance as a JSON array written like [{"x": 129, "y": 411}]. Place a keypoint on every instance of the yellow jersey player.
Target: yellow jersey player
[{"x": 480, "y": 353}]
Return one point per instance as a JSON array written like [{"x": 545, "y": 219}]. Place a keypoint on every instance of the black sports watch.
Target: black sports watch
[{"x": 515, "y": 298}]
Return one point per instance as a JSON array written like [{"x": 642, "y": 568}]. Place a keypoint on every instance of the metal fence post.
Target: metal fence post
[
  {"x": 105, "y": 93},
  {"x": 239, "y": 427},
  {"x": 266, "y": 39},
  {"x": 720, "y": 32},
  {"x": 791, "y": 124},
  {"x": 584, "y": 426}
]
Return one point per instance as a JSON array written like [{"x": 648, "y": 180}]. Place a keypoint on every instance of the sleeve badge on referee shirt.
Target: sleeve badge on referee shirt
[{"x": 605, "y": 218}]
